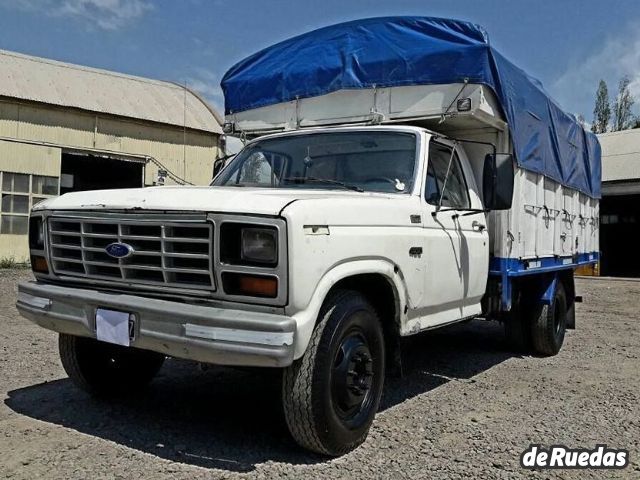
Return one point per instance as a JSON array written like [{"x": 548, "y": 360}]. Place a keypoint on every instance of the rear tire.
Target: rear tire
[
  {"x": 549, "y": 324},
  {"x": 331, "y": 394},
  {"x": 105, "y": 370}
]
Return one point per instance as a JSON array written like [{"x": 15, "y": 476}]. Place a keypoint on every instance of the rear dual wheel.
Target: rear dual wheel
[
  {"x": 549, "y": 324},
  {"x": 332, "y": 393},
  {"x": 517, "y": 322},
  {"x": 534, "y": 327}
]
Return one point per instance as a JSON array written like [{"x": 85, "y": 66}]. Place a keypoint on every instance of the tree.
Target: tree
[
  {"x": 623, "y": 119},
  {"x": 602, "y": 110}
]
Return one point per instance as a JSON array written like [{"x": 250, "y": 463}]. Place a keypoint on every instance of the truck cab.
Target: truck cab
[{"x": 414, "y": 190}]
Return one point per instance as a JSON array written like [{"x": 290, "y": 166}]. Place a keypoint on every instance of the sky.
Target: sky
[{"x": 568, "y": 44}]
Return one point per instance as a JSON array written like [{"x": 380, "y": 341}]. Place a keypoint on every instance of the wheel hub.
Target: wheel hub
[{"x": 352, "y": 375}]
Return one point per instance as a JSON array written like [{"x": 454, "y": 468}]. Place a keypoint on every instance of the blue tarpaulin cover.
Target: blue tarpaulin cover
[{"x": 397, "y": 51}]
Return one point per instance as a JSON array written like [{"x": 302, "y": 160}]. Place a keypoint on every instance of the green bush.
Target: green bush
[{"x": 11, "y": 262}]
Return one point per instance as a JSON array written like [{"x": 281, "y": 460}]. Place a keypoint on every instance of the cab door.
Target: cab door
[
  {"x": 444, "y": 265},
  {"x": 474, "y": 240},
  {"x": 456, "y": 239}
]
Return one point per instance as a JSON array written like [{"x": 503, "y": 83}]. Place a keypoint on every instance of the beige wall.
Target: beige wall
[
  {"x": 15, "y": 247},
  {"x": 189, "y": 155},
  {"x": 29, "y": 159},
  {"x": 25, "y": 158}
]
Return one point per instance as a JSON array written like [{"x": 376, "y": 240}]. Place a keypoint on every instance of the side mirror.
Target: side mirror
[
  {"x": 497, "y": 182},
  {"x": 217, "y": 166}
]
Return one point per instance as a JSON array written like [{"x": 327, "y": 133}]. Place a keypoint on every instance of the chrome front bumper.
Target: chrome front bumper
[{"x": 201, "y": 333}]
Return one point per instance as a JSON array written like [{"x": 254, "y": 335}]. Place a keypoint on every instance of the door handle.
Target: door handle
[{"x": 477, "y": 226}]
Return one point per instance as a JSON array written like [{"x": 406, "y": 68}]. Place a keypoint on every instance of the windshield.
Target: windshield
[{"x": 381, "y": 161}]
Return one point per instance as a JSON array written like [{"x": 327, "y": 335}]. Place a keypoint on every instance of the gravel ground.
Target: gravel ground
[{"x": 466, "y": 407}]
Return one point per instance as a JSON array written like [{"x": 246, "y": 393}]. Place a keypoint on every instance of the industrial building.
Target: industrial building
[
  {"x": 620, "y": 205},
  {"x": 66, "y": 128}
]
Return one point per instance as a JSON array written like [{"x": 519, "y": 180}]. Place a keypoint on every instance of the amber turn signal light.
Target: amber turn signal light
[
  {"x": 39, "y": 264},
  {"x": 250, "y": 285}
]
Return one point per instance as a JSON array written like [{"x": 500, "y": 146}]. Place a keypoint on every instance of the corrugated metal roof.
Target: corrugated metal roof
[
  {"x": 620, "y": 155},
  {"x": 66, "y": 85}
]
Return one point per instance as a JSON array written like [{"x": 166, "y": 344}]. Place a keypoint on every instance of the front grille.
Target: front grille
[{"x": 167, "y": 253}]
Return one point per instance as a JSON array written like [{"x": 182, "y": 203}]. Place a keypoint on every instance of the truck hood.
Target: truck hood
[{"x": 260, "y": 201}]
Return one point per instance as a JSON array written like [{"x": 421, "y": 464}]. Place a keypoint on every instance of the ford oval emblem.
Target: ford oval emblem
[{"x": 119, "y": 250}]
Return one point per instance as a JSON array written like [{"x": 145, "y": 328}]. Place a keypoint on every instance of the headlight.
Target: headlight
[
  {"x": 251, "y": 259},
  {"x": 259, "y": 245},
  {"x": 36, "y": 233},
  {"x": 36, "y": 242}
]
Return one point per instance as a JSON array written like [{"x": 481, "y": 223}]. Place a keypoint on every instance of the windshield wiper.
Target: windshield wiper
[{"x": 347, "y": 186}]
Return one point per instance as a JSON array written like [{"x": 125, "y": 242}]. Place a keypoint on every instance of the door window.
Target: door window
[{"x": 443, "y": 166}]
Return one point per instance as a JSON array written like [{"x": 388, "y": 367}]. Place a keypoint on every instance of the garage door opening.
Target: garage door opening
[
  {"x": 619, "y": 228},
  {"x": 89, "y": 172}
]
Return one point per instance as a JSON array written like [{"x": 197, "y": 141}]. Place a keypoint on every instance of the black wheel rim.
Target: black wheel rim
[{"x": 352, "y": 379}]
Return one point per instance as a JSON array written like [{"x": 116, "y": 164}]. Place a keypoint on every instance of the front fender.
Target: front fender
[{"x": 306, "y": 319}]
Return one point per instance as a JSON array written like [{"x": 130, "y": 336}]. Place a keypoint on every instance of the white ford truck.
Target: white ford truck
[{"x": 369, "y": 215}]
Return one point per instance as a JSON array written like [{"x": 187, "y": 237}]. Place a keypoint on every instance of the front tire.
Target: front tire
[
  {"x": 331, "y": 394},
  {"x": 105, "y": 370}
]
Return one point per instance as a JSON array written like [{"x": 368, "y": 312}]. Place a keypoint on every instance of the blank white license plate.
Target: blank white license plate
[{"x": 112, "y": 326}]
